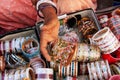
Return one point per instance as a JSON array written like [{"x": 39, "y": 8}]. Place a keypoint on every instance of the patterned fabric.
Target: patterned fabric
[{"x": 16, "y": 14}]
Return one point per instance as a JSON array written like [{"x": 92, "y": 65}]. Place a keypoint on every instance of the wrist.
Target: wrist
[{"x": 43, "y": 4}]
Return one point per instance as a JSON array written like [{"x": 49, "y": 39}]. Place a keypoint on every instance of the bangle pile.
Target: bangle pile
[
  {"x": 106, "y": 40},
  {"x": 99, "y": 70},
  {"x": 13, "y": 60},
  {"x": 70, "y": 70},
  {"x": 87, "y": 53},
  {"x": 18, "y": 74},
  {"x": 44, "y": 74}
]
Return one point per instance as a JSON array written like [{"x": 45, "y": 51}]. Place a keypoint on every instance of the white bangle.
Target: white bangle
[
  {"x": 44, "y": 1},
  {"x": 7, "y": 47}
]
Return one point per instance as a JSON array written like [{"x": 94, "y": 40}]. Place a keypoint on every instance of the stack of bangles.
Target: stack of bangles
[
  {"x": 63, "y": 52},
  {"x": 82, "y": 69},
  {"x": 37, "y": 63},
  {"x": 114, "y": 24},
  {"x": 14, "y": 60},
  {"x": 44, "y": 74},
  {"x": 70, "y": 70},
  {"x": 87, "y": 53},
  {"x": 106, "y": 40},
  {"x": 99, "y": 70},
  {"x": 115, "y": 68},
  {"x": 18, "y": 74},
  {"x": 12, "y": 46},
  {"x": 87, "y": 26}
]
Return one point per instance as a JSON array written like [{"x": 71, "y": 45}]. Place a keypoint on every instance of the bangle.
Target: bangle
[
  {"x": 7, "y": 47},
  {"x": 30, "y": 52},
  {"x": 1, "y": 48},
  {"x": 18, "y": 48},
  {"x": 40, "y": 7}
]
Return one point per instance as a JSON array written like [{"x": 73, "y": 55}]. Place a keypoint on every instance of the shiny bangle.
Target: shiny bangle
[
  {"x": 37, "y": 63},
  {"x": 104, "y": 70},
  {"x": 7, "y": 47},
  {"x": 3, "y": 47},
  {"x": 98, "y": 70},
  {"x": 108, "y": 68},
  {"x": 32, "y": 52},
  {"x": 13, "y": 45},
  {"x": 18, "y": 48},
  {"x": 89, "y": 71},
  {"x": 44, "y": 71},
  {"x": 93, "y": 71},
  {"x": 68, "y": 70}
]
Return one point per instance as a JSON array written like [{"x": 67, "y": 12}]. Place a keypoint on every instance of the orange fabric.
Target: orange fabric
[{"x": 16, "y": 14}]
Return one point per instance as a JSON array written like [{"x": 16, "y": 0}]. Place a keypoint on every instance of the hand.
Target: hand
[{"x": 49, "y": 31}]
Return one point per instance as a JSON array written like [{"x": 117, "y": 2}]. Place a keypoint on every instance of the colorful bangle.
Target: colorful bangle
[{"x": 32, "y": 52}]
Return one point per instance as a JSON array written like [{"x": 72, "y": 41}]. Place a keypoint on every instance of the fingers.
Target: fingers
[{"x": 43, "y": 45}]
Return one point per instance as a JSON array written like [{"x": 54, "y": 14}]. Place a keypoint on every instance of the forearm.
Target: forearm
[
  {"x": 49, "y": 14},
  {"x": 48, "y": 9}
]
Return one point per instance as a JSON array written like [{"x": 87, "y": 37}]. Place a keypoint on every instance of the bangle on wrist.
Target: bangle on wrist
[{"x": 42, "y": 5}]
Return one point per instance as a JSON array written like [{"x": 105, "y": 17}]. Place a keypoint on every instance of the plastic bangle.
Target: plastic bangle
[
  {"x": 104, "y": 70},
  {"x": 12, "y": 44},
  {"x": 7, "y": 47},
  {"x": 37, "y": 63},
  {"x": 89, "y": 70},
  {"x": 98, "y": 70},
  {"x": 108, "y": 68},
  {"x": 93, "y": 71},
  {"x": 18, "y": 48}
]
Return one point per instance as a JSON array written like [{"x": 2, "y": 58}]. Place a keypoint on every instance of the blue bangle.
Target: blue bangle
[{"x": 34, "y": 51}]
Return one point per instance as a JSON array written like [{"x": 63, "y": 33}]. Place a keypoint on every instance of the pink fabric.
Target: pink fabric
[
  {"x": 16, "y": 14},
  {"x": 67, "y": 6}
]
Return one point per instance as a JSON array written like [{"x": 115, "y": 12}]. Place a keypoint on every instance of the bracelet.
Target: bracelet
[
  {"x": 1, "y": 48},
  {"x": 98, "y": 70},
  {"x": 7, "y": 47},
  {"x": 30, "y": 52},
  {"x": 13, "y": 45},
  {"x": 40, "y": 7}
]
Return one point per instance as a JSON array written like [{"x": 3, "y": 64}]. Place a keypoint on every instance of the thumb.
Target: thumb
[{"x": 43, "y": 46}]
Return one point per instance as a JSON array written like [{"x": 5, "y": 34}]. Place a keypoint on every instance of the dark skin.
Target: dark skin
[{"x": 49, "y": 32}]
